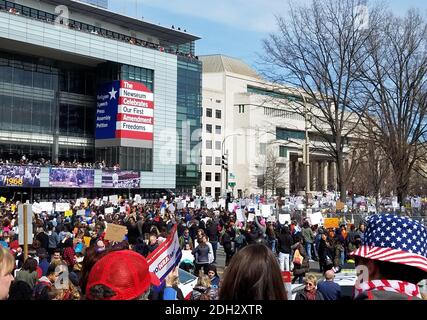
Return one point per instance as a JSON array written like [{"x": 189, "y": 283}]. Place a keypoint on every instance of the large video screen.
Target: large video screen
[
  {"x": 71, "y": 177},
  {"x": 19, "y": 176},
  {"x": 120, "y": 179}
]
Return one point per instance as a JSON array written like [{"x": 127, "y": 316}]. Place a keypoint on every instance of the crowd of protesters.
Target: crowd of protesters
[
  {"x": 24, "y": 161},
  {"x": 73, "y": 252}
]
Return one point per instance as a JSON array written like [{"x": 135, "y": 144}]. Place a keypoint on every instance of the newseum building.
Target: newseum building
[{"x": 80, "y": 82}]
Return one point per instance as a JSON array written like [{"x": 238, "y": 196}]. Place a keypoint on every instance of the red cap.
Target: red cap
[
  {"x": 14, "y": 245},
  {"x": 125, "y": 272}
]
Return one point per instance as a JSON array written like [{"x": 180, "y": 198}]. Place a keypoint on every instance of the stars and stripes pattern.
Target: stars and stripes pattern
[
  {"x": 403, "y": 287},
  {"x": 395, "y": 239}
]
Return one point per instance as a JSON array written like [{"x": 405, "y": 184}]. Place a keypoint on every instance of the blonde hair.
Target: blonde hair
[
  {"x": 7, "y": 261},
  {"x": 311, "y": 277},
  {"x": 204, "y": 281}
]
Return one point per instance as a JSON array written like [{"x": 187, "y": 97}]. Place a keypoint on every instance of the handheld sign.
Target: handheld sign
[{"x": 115, "y": 232}]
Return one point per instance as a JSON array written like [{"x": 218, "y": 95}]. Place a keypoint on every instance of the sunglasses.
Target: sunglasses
[{"x": 309, "y": 284}]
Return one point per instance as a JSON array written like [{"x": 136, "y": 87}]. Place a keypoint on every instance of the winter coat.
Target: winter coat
[
  {"x": 303, "y": 295},
  {"x": 308, "y": 235},
  {"x": 285, "y": 242}
]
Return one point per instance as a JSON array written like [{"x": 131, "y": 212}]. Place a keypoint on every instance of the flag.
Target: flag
[{"x": 166, "y": 257}]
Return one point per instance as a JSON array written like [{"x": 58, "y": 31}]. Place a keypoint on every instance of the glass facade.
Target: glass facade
[
  {"x": 189, "y": 113},
  {"x": 49, "y": 98}
]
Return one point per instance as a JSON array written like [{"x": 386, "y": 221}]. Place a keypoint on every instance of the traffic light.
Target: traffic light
[{"x": 225, "y": 162}]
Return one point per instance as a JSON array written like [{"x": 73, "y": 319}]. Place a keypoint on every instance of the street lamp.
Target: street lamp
[{"x": 223, "y": 157}]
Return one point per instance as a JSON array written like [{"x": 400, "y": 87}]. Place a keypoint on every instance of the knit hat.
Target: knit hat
[
  {"x": 396, "y": 239},
  {"x": 125, "y": 272}
]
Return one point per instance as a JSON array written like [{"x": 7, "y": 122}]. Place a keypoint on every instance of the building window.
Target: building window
[
  {"x": 209, "y": 128},
  {"x": 217, "y": 176},
  {"x": 208, "y": 191},
  {"x": 208, "y": 144},
  {"x": 218, "y": 129},
  {"x": 208, "y": 176},
  {"x": 209, "y": 161},
  {"x": 208, "y": 112},
  {"x": 217, "y": 161},
  {"x": 283, "y": 151},
  {"x": 262, "y": 149},
  {"x": 218, "y": 114},
  {"x": 241, "y": 108},
  {"x": 218, "y": 145},
  {"x": 217, "y": 192}
]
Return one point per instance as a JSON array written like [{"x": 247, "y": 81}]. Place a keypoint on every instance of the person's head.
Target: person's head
[
  {"x": 362, "y": 227},
  {"x": 402, "y": 239},
  {"x": 54, "y": 271},
  {"x": 153, "y": 239},
  {"x": 203, "y": 281},
  {"x": 30, "y": 265},
  {"x": 324, "y": 236},
  {"x": 56, "y": 254},
  {"x": 187, "y": 246},
  {"x": 253, "y": 274},
  {"x": 186, "y": 232},
  {"x": 329, "y": 275},
  {"x": 120, "y": 275},
  {"x": 7, "y": 264},
  {"x": 310, "y": 282},
  {"x": 212, "y": 272}
]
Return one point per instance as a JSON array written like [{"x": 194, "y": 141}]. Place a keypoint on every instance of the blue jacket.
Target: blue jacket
[{"x": 330, "y": 290}]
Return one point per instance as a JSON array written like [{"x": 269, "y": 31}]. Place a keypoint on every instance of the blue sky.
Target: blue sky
[{"x": 231, "y": 27}]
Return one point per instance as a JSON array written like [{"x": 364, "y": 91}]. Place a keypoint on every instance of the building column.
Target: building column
[
  {"x": 301, "y": 176},
  {"x": 333, "y": 173},
  {"x": 313, "y": 173},
  {"x": 325, "y": 165},
  {"x": 319, "y": 175}
]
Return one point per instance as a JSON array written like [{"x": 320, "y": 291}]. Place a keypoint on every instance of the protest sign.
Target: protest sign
[
  {"x": 179, "y": 205},
  {"x": 240, "y": 215},
  {"x": 209, "y": 202},
  {"x": 331, "y": 223},
  {"x": 171, "y": 208},
  {"x": 231, "y": 207},
  {"x": 109, "y": 210},
  {"x": 122, "y": 209},
  {"x": 283, "y": 218},
  {"x": 309, "y": 211},
  {"x": 115, "y": 232},
  {"x": 37, "y": 208},
  {"x": 86, "y": 241},
  {"x": 113, "y": 199},
  {"x": 47, "y": 206},
  {"x": 137, "y": 198},
  {"x": 68, "y": 213},
  {"x": 266, "y": 210},
  {"x": 222, "y": 203},
  {"x": 191, "y": 205},
  {"x": 251, "y": 217},
  {"x": 62, "y": 207},
  {"x": 340, "y": 205},
  {"x": 81, "y": 212},
  {"x": 300, "y": 206},
  {"x": 315, "y": 218},
  {"x": 166, "y": 257},
  {"x": 104, "y": 199},
  {"x": 2, "y": 199},
  {"x": 257, "y": 212},
  {"x": 271, "y": 219},
  {"x": 215, "y": 205}
]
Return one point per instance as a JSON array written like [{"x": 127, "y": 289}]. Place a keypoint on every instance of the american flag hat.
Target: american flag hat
[{"x": 395, "y": 239}]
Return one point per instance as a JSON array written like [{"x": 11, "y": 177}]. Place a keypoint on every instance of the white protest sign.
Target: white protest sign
[
  {"x": 62, "y": 207},
  {"x": 109, "y": 210},
  {"x": 122, "y": 209},
  {"x": 81, "y": 212},
  {"x": 283, "y": 218},
  {"x": 98, "y": 203},
  {"x": 37, "y": 208},
  {"x": 138, "y": 198},
  {"x": 251, "y": 217},
  {"x": 222, "y": 203},
  {"x": 179, "y": 205},
  {"x": 309, "y": 212},
  {"x": 316, "y": 218},
  {"x": 257, "y": 212},
  {"x": 231, "y": 207},
  {"x": 187, "y": 199},
  {"x": 113, "y": 199},
  {"x": 252, "y": 208},
  {"x": 191, "y": 205},
  {"x": 240, "y": 215},
  {"x": 105, "y": 199},
  {"x": 266, "y": 210},
  {"x": 209, "y": 203},
  {"x": 215, "y": 205},
  {"x": 300, "y": 206},
  {"x": 77, "y": 204},
  {"x": 47, "y": 206}
]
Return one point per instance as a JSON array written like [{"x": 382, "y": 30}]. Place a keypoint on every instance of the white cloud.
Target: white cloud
[{"x": 255, "y": 15}]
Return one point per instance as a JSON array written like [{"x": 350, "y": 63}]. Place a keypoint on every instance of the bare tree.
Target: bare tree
[
  {"x": 394, "y": 84},
  {"x": 319, "y": 48},
  {"x": 272, "y": 175}
]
